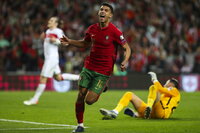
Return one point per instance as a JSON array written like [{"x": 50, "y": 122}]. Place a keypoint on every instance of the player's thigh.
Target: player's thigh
[
  {"x": 81, "y": 94},
  {"x": 48, "y": 68},
  {"x": 139, "y": 105},
  {"x": 158, "y": 95},
  {"x": 98, "y": 83},
  {"x": 96, "y": 87},
  {"x": 91, "y": 97},
  {"x": 57, "y": 73},
  {"x": 57, "y": 69},
  {"x": 158, "y": 111},
  {"x": 85, "y": 78}
]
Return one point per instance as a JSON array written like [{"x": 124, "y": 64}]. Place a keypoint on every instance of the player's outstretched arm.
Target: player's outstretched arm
[
  {"x": 162, "y": 89},
  {"x": 127, "y": 53},
  {"x": 78, "y": 43},
  {"x": 64, "y": 40}
]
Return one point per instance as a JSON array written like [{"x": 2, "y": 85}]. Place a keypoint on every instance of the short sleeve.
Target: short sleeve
[
  {"x": 87, "y": 35},
  {"x": 60, "y": 34},
  {"x": 119, "y": 38}
]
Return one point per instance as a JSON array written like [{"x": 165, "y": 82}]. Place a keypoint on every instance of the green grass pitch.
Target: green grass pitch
[{"x": 58, "y": 108}]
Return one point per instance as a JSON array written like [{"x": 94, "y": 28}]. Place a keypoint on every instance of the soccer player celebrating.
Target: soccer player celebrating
[
  {"x": 161, "y": 101},
  {"x": 104, "y": 39},
  {"x": 51, "y": 64}
]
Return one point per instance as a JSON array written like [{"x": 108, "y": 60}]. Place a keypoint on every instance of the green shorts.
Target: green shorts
[{"x": 93, "y": 81}]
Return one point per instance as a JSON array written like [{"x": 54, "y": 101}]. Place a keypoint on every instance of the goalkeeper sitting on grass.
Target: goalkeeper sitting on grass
[{"x": 161, "y": 101}]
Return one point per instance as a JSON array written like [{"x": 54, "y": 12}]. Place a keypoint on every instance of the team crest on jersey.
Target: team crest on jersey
[{"x": 107, "y": 37}]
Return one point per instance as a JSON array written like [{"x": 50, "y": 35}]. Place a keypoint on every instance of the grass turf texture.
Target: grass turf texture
[{"x": 58, "y": 108}]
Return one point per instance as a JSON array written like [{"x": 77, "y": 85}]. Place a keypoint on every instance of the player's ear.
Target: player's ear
[{"x": 111, "y": 15}]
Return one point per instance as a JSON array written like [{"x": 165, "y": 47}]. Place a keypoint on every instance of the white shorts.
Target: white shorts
[{"x": 50, "y": 68}]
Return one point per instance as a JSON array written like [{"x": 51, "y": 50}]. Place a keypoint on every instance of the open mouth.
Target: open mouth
[{"x": 102, "y": 16}]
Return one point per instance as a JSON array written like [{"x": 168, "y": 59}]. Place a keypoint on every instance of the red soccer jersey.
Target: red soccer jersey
[{"x": 103, "y": 52}]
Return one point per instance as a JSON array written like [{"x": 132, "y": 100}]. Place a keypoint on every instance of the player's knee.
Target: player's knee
[
  {"x": 90, "y": 102},
  {"x": 152, "y": 87},
  {"x": 58, "y": 78},
  {"x": 81, "y": 95},
  {"x": 128, "y": 94}
]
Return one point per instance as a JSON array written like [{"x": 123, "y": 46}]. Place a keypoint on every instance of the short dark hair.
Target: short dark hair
[
  {"x": 108, "y": 5},
  {"x": 175, "y": 82}
]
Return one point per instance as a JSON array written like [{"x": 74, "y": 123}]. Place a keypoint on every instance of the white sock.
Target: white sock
[
  {"x": 115, "y": 111},
  {"x": 68, "y": 76},
  {"x": 80, "y": 124},
  {"x": 39, "y": 91}
]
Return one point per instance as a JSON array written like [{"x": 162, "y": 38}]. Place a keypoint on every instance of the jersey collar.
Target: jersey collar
[{"x": 103, "y": 27}]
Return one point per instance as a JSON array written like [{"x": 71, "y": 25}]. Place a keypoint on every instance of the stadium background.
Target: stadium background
[{"x": 164, "y": 37}]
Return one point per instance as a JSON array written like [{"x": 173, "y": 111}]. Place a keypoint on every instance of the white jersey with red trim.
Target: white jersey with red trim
[{"x": 50, "y": 49}]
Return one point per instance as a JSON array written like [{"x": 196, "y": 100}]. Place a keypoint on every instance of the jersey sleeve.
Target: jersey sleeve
[
  {"x": 119, "y": 38},
  {"x": 60, "y": 34},
  {"x": 171, "y": 92},
  {"x": 88, "y": 35}
]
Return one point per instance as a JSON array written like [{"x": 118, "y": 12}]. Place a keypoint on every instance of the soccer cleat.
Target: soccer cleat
[
  {"x": 109, "y": 114},
  {"x": 147, "y": 113},
  {"x": 129, "y": 112},
  {"x": 78, "y": 129},
  {"x": 30, "y": 102}
]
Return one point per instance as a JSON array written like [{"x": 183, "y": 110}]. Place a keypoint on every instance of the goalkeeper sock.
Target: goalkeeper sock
[
  {"x": 124, "y": 101},
  {"x": 151, "y": 96},
  {"x": 80, "y": 107},
  {"x": 150, "y": 102},
  {"x": 68, "y": 76},
  {"x": 40, "y": 89}
]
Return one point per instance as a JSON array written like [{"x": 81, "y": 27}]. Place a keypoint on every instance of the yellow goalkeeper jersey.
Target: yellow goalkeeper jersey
[{"x": 169, "y": 99}]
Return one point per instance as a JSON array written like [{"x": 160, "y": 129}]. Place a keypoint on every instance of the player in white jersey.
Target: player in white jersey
[{"x": 51, "y": 64}]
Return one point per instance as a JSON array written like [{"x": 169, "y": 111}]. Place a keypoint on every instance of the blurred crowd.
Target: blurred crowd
[{"x": 164, "y": 35}]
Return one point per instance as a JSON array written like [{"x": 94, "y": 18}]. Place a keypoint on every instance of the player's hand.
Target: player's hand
[
  {"x": 153, "y": 76},
  {"x": 64, "y": 40},
  {"x": 124, "y": 65}
]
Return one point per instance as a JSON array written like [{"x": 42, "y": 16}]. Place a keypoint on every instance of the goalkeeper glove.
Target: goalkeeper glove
[{"x": 153, "y": 76}]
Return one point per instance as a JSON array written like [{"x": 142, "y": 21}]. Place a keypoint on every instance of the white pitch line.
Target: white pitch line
[
  {"x": 5, "y": 129},
  {"x": 38, "y": 123}
]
